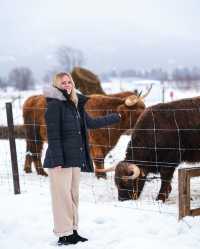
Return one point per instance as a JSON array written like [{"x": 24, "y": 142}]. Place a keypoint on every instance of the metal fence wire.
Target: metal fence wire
[{"x": 105, "y": 190}]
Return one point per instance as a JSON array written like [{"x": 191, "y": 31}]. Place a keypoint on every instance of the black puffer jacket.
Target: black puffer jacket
[{"x": 67, "y": 138}]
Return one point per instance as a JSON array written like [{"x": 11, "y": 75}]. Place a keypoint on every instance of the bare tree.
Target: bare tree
[
  {"x": 69, "y": 58},
  {"x": 49, "y": 75},
  {"x": 3, "y": 83},
  {"x": 22, "y": 78}
]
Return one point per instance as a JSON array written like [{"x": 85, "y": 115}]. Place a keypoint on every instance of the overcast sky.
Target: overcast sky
[{"x": 116, "y": 34}]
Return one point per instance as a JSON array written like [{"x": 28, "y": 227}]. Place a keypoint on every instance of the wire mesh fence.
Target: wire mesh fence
[{"x": 105, "y": 190}]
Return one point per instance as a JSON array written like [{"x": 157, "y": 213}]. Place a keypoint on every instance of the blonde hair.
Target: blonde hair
[{"x": 56, "y": 83}]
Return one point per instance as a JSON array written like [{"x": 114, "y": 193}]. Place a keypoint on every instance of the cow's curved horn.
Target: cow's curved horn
[
  {"x": 105, "y": 170},
  {"x": 132, "y": 100},
  {"x": 147, "y": 93},
  {"x": 135, "y": 169},
  {"x": 140, "y": 93}
]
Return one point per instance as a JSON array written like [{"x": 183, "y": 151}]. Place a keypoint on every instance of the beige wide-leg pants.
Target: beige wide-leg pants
[{"x": 64, "y": 188}]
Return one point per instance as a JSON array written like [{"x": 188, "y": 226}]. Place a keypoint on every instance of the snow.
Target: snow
[
  {"x": 26, "y": 219},
  {"x": 17, "y": 99},
  {"x": 26, "y": 222}
]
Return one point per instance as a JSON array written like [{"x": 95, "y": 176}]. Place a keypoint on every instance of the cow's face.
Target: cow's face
[
  {"x": 126, "y": 176},
  {"x": 130, "y": 113}
]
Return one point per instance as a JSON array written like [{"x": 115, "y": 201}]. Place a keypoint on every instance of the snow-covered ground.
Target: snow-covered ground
[
  {"x": 26, "y": 219},
  {"x": 17, "y": 99},
  {"x": 26, "y": 222}
]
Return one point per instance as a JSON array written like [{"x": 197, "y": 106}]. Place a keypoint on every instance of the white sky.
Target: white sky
[{"x": 112, "y": 33}]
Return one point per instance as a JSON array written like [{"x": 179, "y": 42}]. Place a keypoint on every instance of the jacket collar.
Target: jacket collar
[{"x": 53, "y": 93}]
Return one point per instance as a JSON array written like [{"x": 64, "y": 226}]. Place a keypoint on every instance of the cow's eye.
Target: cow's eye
[{"x": 130, "y": 173}]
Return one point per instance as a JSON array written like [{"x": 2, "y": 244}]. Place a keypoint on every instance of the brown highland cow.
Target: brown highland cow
[{"x": 164, "y": 136}]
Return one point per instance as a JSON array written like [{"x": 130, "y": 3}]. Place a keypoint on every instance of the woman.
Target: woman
[{"x": 68, "y": 152}]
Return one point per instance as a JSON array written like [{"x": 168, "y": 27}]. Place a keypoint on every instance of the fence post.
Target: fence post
[
  {"x": 184, "y": 192},
  {"x": 13, "y": 152},
  {"x": 163, "y": 91}
]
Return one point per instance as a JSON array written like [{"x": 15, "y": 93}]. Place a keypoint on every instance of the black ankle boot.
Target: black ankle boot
[
  {"x": 78, "y": 237},
  {"x": 67, "y": 240}
]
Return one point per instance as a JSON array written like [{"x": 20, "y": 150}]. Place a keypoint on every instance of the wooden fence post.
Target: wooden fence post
[
  {"x": 184, "y": 193},
  {"x": 13, "y": 152},
  {"x": 184, "y": 176}
]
